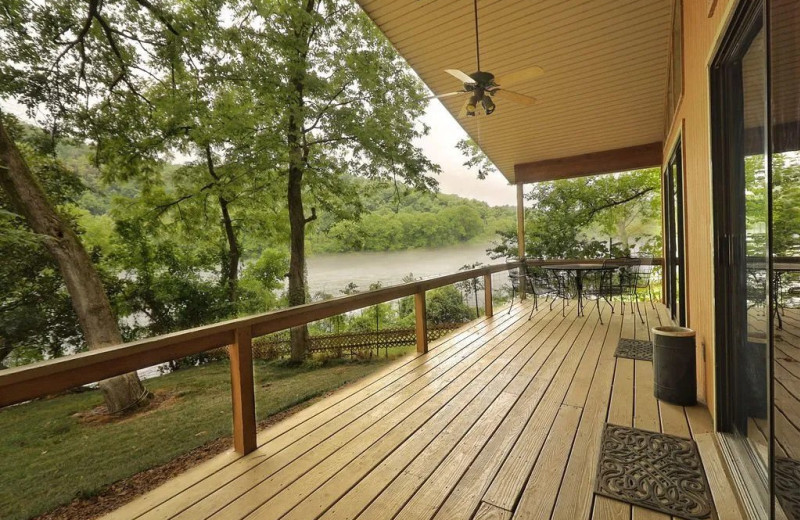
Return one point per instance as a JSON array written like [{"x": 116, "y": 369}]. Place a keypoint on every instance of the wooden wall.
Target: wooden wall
[{"x": 692, "y": 119}]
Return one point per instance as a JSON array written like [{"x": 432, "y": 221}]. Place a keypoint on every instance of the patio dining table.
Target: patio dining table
[{"x": 578, "y": 269}]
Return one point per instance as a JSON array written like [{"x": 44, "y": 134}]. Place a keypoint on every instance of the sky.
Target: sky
[{"x": 440, "y": 146}]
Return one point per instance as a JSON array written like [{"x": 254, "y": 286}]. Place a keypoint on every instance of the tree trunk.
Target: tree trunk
[
  {"x": 86, "y": 291},
  {"x": 298, "y": 156},
  {"x": 231, "y": 268},
  {"x": 297, "y": 259}
]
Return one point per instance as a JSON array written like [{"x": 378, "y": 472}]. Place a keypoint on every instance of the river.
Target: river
[{"x": 332, "y": 272}]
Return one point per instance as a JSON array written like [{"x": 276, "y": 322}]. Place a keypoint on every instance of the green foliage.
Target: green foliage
[
  {"x": 590, "y": 217},
  {"x": 785, "y": 204},
  {"x": 446, "y": 305},
  {"x": 475, "y": 157},
  {"x": 398, "y": 218},
  {"x": 36, "y": 316}
]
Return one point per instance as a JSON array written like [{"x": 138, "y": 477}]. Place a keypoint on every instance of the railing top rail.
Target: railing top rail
[
  {"x": 559, "y": 261},
  {"x": 45, "y": 377}
]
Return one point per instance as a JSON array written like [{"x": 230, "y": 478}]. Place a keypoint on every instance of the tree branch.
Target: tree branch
[
  {"x": 93, "y": 4},
  {"x": 313, "y": 216},
  {"x": 332, "y": 140},
  {"x": 615, "y": 203},
  {"x": 158, "y": 14}
]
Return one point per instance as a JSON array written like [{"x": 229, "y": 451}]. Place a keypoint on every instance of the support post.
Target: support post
[
  {"x": 243, "y": 393},
  {"x": 421, "y": 322},
  {"x": 487, "y": 294},
  {"x": 521, "y": 237}
]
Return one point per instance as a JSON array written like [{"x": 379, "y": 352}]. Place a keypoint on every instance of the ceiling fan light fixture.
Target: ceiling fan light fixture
[
  {"x": 471, "y": 105},
  {"x": 488, "y": 105}
]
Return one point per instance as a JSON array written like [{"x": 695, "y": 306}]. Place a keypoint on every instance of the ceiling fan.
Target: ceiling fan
[{"x": 483, "y": 86}]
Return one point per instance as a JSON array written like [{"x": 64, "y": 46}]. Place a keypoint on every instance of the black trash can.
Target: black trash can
[{"x": 674, "y": 365}]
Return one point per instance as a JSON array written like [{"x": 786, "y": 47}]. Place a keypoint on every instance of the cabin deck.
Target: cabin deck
[
  {"x": 786, "y": 388},
  {"x": 500, "y": 419}
]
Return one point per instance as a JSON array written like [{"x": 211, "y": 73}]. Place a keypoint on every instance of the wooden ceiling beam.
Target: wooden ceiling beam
[{"x": 609, "y": 161}]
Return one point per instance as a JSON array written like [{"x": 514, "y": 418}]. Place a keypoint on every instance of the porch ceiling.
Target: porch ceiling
[{"x": 605, "y": 65}]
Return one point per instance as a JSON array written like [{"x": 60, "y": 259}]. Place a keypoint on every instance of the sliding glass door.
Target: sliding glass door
[
  {"x": 784, "y": 46},
  {"x": 742, "y": 260}
]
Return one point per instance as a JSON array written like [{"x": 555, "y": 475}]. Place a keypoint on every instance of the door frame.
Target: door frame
[
  {"x": 747, "y": 21},
  {"x": 675, "y": 238}
]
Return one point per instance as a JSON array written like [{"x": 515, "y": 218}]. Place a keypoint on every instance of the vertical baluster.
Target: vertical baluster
[
  {"x": 487, "y": 294},
  {"x": 421, "y": 322}
]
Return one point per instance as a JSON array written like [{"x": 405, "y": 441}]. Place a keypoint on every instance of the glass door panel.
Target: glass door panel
[
  {"x": 785, "y": 168},
  {"x": 742, "y": 245}
]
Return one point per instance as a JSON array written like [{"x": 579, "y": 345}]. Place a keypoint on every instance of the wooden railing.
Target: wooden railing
[
  {"x": 657, "y": 261},
  {"x": 55, "y": 375},
  {"x": 278, "y": 344}
]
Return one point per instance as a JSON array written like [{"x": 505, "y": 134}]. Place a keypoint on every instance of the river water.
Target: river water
[{"x": 332, "y": 272}]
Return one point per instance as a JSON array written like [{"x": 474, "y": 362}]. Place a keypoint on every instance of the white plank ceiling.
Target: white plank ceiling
[{"x": 605, "y": 65}]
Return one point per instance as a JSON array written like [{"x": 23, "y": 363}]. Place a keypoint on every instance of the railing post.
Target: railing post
[
  {"x": 521, "y": 237},
  {"x": 421, "y": 322},
  {"x": 243, "y": 393},
  {"x": 487, "y": 295}
]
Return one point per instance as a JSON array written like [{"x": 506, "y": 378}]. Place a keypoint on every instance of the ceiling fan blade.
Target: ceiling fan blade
[
  {"x": 463, "y": 77},
  {"x": 521, "y": 99},
  {"x": 449, "y": 94},
  {"x": 520, "y": 76}
]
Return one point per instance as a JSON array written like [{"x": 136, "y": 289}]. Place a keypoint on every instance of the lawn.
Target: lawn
[{"x": 50, "y": 453}]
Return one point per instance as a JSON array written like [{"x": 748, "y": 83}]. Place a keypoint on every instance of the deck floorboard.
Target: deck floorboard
[{"x": 501, "y": 419}]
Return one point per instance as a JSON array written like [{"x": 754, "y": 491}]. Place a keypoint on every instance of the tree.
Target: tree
[
  {"x": 572, "y": 218},
  {"x": 36, "y": 317},
  {"x": 446, "y": 305},
  {"x": 471, "y": 286},
  {"x": 301, "y": 95},
  {"x": 346, "y": 102},
  {"x": 475, "y": 157},
  {"x": 58, "y": 57},
  {"x": 89, "y": 300}
]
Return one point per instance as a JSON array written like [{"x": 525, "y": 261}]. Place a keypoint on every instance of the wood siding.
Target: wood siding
[{"x": 700, "y": 36}]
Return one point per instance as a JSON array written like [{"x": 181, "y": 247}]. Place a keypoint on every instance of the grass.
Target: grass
[{"x": 48, "y": 455}]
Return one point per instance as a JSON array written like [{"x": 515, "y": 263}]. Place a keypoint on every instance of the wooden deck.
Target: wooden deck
[
  {"x": 787, "y": 386},
  {"x": 502, "y": 419}
]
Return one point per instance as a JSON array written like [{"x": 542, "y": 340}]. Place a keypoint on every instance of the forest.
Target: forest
[{"x": 159, "y": 281}]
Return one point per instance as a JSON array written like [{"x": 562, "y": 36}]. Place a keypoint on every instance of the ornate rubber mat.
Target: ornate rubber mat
[
  {"x": 653, "y": 470},
  {"x": 787, "y": 486},
  {"x": 634, "y": 349}
]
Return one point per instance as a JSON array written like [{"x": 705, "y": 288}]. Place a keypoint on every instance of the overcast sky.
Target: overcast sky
[{"x": 440, "y": 147}]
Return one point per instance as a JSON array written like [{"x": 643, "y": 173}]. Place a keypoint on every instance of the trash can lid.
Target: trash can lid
[{"x": 676, "y": 332}]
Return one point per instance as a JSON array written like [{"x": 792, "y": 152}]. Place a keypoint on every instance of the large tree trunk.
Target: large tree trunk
[
  {"x": 88, "y": 296},
  {"x": 297, "y": 259},
  {"x": 298, "y": 156},
  {"x": 230, "y": 269}
]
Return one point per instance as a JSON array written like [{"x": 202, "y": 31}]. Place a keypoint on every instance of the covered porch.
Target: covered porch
[{"x": 501, "y": 419}]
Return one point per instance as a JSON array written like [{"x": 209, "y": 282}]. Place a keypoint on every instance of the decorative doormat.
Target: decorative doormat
[
  {"x": 653, "y": 470},
  {"x": 634, "y": 349},
  {"x": 787, "y": 486}
]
